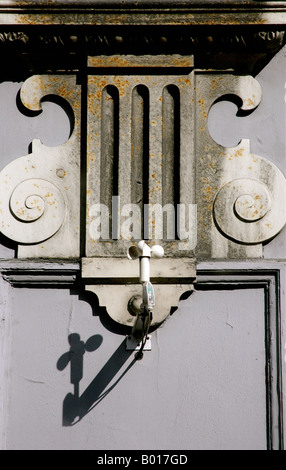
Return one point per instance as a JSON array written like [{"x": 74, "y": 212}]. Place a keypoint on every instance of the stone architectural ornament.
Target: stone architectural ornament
[
  {"x": 140, "y": 163},
  {"x": 242, "y": 196},
  {"x": 40, "y": 192}
]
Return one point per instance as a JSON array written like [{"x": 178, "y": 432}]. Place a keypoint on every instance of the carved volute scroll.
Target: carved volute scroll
[
  {"x": 241, "y": 196},
  {"x": 250, "y": 210},
  {"x": 40, "y": 192}
]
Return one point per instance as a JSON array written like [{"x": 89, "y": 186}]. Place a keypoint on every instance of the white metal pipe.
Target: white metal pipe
[{"x": 144, "y": 269}]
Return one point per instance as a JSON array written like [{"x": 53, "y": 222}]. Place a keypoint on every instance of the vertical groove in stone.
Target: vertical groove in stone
[
  {"x": 171, "y": 146},
  {"x": 109, "y": 146},
  {"x": 140, "y": 147}
]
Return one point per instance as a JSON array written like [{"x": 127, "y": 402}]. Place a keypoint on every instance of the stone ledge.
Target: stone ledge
[
  {"x": 161, "y": 12},
  {"x": 179, "y": 270}
]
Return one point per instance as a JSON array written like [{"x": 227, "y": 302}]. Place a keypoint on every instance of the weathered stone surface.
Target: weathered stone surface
[
  {"x": 139, "y": 148},
  {"x": 229, "y": 179},
  {"x": 171, "y": 279},
  {"x": 40, "y": 192},
  {"x": 114, "y": 12}
]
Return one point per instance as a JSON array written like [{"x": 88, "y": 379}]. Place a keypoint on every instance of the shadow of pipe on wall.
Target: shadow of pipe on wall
[{"x": 76, "y": 406}]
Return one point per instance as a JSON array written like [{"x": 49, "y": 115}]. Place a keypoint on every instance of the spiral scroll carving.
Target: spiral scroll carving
[
  {"x": 34, "y": 212},
  {"x": 244, "y": 210}
]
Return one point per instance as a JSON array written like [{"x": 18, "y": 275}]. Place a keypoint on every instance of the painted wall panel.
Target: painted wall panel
[{"x": 197, "y": 389}]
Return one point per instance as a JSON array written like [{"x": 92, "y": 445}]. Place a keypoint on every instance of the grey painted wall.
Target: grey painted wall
[
  {"x": 201, "y": 387},
  {"x": 194, "y": 390}
]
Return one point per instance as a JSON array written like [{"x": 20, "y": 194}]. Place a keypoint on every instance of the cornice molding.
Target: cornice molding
[
  {"x": 219, "y": 5},
  {"x": 40, "y": 273},
  {"x": 142, "y": 27},
  {"x": 115, "y": 12},
  {"x": 144, "y": 40}
]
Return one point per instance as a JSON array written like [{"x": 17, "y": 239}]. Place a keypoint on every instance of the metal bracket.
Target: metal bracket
[{"x": 133, "y": 345}]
